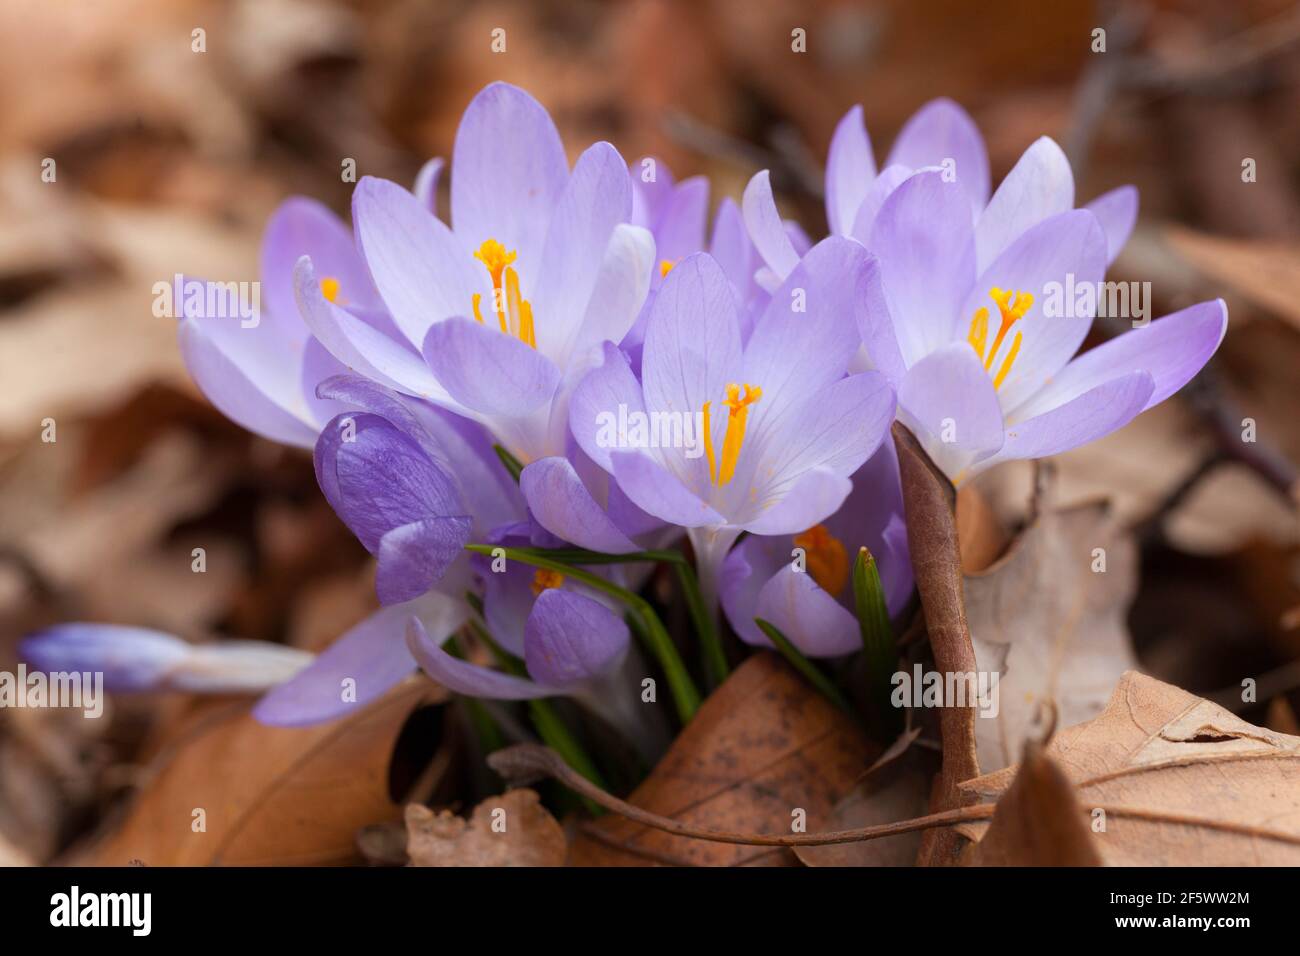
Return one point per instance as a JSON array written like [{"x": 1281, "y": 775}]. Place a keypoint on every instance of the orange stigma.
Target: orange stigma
[
  {"x": 1012, "y": 307},
  {"x": 514, "y": 313},
  {"x": 544, "y": 579},
  {"x": 329, "y": 287},
  {"x": 737, "y": 418},
  {"x": 828, "y": 562}
]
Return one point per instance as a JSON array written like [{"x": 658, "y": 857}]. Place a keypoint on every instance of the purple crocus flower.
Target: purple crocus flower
[
  {"x": 981, "y": 354},
  {"x": 811, "y": 601},
  {"x": 775, "y": 426},
  {"x": 137, "y": 659}
]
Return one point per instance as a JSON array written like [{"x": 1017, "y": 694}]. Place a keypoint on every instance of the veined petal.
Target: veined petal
[
  {"x": 570, "y": 639},
  {"x": 1039, "y": 186},
  {"x": 426, "y": 184},
  {"x": 815, "y": 496},
  {"x": 414, "y": 557},
  {"x": 679, "y": 229},
  {"x": 619, "y": 293},
  {"x": 606, "y": 397},
  {"x": 881, "y": 188},
  {"x": 563, "y": 506},
  {"x": 850, "y": 171},
  {"x": 507, "y": 171},
  {"x": 1117, "y": 212},
  {"x": 766, "y": 230},
  {"x": 948, "y": 401},
  {"x": 657, "y": 492},
  {"x": 815, "y": 623},
  {"x": 942, "y": 130},
  {"x": 463, "y": 677},
  {"x": 488, "y": 371}
]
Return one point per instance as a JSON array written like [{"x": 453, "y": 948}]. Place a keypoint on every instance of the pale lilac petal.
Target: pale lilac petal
[
  {"x": 507, "y": 171},
  {"x": 462, "y": 677},
  {"x": 1039, "y": 186},
  {"x": 947, "y": 399},
  {"x": 942, "y": 130},
  {"x": 799, "y": 237},
  {"x": 815, "y": 622},
  {"x": 359, "y": 667},
  {"x": 489, "y": 371},
  {"x": 731, "y": 247},
  {"x": 426, "y": 184},
  {"x": 766, "y": 230},
  {"x": 423, "y": 272},
  {"x": 890, "y": 178},
  {"x": 1087, "y": 417},
  {"x": 1172, "y": 350},
  {"x": 813, "y": 498},
  {"x": 654, "y": 490},
  {"x": 679, "y": 230},
  {"x": 652, "y": 188},
  {"x": 319, "y": 366},
  {"x": 414, "y": 557},
  {"x": 1067, "y": 250},
  {"x": 304, "y": 227},
  {"x": 876, "y": 327},
  {"x": 746, "y": 568},
  {"x": 597, "y": 197},
  {"x": 596, "y": 403},
  {"x": 1117, "y": 212},
  {"x": 563, "y": 506},
  {"x": 924, "y": 242},
  {"x": 619, "y": 293},
  {"x": 570, "y": 639},
  {"x": 248, "y": 381},
  {"x": 360, "y": 346},
  {"x": 850, "y": 170}
]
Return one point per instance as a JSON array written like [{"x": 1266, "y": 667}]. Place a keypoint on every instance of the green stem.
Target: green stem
[
  {"x": 513, "y": 464},
  {"x": 804, "y": 666},
  {"x": 685, "y": 695},
  {"x": 715, "y": 660},
  {"x": 583, "y": 556}
]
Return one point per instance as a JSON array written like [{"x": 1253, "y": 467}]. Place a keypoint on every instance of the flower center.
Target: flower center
[
  {"x": 514, "y": 313},
  {"x": 544, "y": 579},
  {"x": 828, "y": 562},
  {"x": 329, "y": 287},
  {"x": 737, "y": 416},
  {"x": 666, "y": 266},
  {"x": 1012, "y": 306}
]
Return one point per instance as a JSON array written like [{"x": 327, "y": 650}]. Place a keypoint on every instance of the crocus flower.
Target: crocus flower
[
  {"x": 137, "y": 659},
  {"x": 802, "y": 583},
  {"x": 982, "y": 366},
  {"x": 781, "y": 427}
]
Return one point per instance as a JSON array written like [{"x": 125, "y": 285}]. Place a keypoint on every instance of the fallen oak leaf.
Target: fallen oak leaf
[
  {"x": 269, "y": 795},
  {"x": 513, "y": 829},
  {"x": 1170, "y": 779}
]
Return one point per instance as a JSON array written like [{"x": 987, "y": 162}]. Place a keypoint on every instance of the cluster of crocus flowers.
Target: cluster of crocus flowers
[{"x": 458, "y": 380}]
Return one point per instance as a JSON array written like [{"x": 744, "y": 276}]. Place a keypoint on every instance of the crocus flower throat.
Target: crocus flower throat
[
  {"x": 826, "y": 557},
  {"x": 1012, "y": 306},
  {"x": 514, "y": 313},
  {"x": 737, "y": 417}
]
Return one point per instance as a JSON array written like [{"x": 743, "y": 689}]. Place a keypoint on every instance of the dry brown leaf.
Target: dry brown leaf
[
  {"x": 761, "y": 747},
  {"x": 271, "y": 795},
  {"x": 895, "y": 788},
  {"x": 1266, "y": 272},
  {"x": 1038, "y": 821},
  {"x": 513, "y": 829},
  {"x": 979, "y": 530},
  {"x": 1050, "y": 626},
  {"x": 1181, "y": 782},
  {"x": 1282, "y": 718}
]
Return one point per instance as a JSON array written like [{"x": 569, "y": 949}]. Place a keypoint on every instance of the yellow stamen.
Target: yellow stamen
[
  {"x": 665, "y": 267},
  {"x": 514, "y": 313},
  {"x": 1012, "y": 307},
  {"x": 329, "y": 287},
  {"x": 544, "y": 579},
  {"x": 828, "y": 562},
  {"x": 737, "y": 417}
]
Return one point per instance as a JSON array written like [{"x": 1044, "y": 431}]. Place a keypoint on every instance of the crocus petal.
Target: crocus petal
[
  {"x": 654, "y": 490},
  {"x": 815, "y": 622},
  {"x": 890, "y": 178},
  {"x": 814, "y": 497},
  {"x": 679, "y": 230},
  {"x": 304, "y": 227},
  {"x": 507, "y": 171},
  {"x": 746, "y": 568},
  {"x": 359, "y": 667},
  {"x": 1065, "y": 252},
  {"x": 941, "y": 130},
  {"x": 618, "y": 295},
  {"x": 947, "y": 399},
  {"x": 422, "y": 271},
  {"x": 766, "y": 230},
  {"x": 247, "y": 379},
  {"x": 488, "y": 371},
  {"x": 1039, "y": 186},
  {"x": 426, "y": 184},
  {"x": 730, "y": 246},
  {"x": 595, "y": 405},
  {"x": 924, "y": 242},
  {"x": 318, "y": 366},
  {"x": 1172, "y": 350},
  {"x": 360, "y": 346},
  {"x": 597, "y": 197},
  {"x": 570, "y": 639},
  {"x": 850, "y": 170},
  {"x": 563, "y": 506},
  {"x": 463, "y": 677},
  {"x": 1087, "y": 417},
  {"x": 380, "y": 479},
  {"x": 1117, "y": 212},
  {"x": 413, "y": 557}
]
